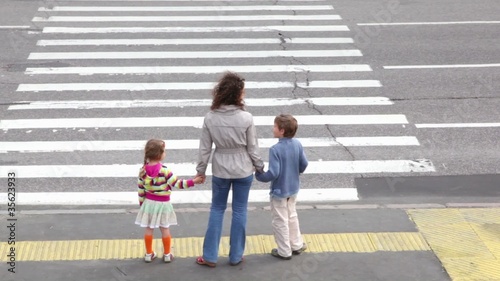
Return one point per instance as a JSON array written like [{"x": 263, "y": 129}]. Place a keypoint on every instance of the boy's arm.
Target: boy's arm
[
  {"x": 302, "y": 160},
  {"x": 274, "y": 168}
]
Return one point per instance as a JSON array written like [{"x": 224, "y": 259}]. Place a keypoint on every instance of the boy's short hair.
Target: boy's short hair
[{"x": 288, "y": 123}]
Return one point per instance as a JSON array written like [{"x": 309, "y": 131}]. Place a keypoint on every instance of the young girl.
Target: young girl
[{"x": 155, "y": 185}]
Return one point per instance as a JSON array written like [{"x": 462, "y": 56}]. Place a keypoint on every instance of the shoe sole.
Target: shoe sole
[
  {"x": 281, "y": 257},
  {"x": 235, "y": 263},
  {"x": 300, "y": 251},
  {"x": 209, "y": 264},
  {"x": 151, "y": 260},
  {"x": 276, "y": 255},
  {"x": 170, "y": 260}
]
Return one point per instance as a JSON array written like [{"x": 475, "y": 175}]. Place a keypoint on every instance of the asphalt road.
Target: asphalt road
[{"x": 435, "y": 95}]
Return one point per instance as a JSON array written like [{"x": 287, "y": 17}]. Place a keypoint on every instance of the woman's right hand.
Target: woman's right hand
[{"x": 199, "y": 179}]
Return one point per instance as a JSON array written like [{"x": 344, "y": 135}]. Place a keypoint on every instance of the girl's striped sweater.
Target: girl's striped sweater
[{"x": 159, "y": 187}]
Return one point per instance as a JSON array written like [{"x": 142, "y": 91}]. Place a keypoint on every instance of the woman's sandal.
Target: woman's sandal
[
  {"x": 236, "y": 263},
  {"x": 202, "y": 261}
]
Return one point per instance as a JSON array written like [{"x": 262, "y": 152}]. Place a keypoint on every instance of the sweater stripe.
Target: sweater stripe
[{"x": 160, "y": 185}]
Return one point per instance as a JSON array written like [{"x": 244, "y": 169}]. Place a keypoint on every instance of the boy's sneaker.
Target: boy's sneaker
[
  {"x": 168, "y": 257},
  {"x": 150, "y": 257},
  {"x": 274, "y": 253},
  {"x": 299, "y": 251}
]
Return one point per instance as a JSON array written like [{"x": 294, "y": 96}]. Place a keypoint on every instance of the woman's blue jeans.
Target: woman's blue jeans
[{"x": 237, "y": 237}]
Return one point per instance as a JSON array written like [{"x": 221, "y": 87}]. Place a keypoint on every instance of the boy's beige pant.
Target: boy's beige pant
[{"x": 286, "y": 225}]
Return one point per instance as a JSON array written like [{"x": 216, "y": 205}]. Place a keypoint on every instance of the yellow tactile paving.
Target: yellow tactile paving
[
  {"x": 192, "y": 246},
  {"x": 481, "y": 215},
  {"x": 467, "y": 241},
  {"x": 455, "y": 241},
  {"x": 4, "y": 248},
  {"x": 473, "y": 269},
  {"x": 489, "y": 233},
  {"x": 436, "y": 216},
  {"x": 391, "y": 241},
  {"x": 182, "y": 247}
]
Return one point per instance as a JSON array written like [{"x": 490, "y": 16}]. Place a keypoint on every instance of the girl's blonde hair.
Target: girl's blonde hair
[{"x": 152, "y": 152}]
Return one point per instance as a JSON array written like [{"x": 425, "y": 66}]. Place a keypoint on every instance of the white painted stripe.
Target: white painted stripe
[
  {"x": 92, "y": 104},
  {"x": 249, "y": 1},
  {"x": 317, "y": 40},
  {"x": 189, "y": 169},
  {"x": 198, "y": 41},
  {"x": 194, "y": 55},
  {"x": 14, "y": 26},
  {"x": 429, "y": 23},
  {"x": 72, "y": 146},
  {"x": 442, "y": 66},
  {"x": 340, "y": 84},
  {"x": 350, "y": 101},
  {"x": 197, "y": 69},
  {"x": 376, "y": 141},
  {"x": 457, "y": 125},
  {"x": 201, "y": 29},
  {"x": 190, "y": 86},
  {"x": 185, "y": 8},
  {"x": 184, "y": 18},
  {"x": 178, "y": 197},
  {"x": 197, "y": 122}
]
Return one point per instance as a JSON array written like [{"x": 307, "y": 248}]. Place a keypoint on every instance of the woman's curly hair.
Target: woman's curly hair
[{"x": 228, "y": 91}]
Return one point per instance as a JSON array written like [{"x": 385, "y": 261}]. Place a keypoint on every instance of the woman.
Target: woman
[{"x": 236, "y": 156}]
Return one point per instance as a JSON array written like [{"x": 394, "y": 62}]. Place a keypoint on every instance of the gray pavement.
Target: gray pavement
[
  {"x": 407, "y": 265},
  {"x": 384, "y": 266}
]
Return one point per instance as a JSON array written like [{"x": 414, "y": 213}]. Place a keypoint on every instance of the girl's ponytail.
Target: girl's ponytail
[
  {"x": 142, "y": 172},
  {"x": 153, "y": 151}
]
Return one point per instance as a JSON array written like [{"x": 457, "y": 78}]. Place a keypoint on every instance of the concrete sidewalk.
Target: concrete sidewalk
[{"x": 365, "y": 244}]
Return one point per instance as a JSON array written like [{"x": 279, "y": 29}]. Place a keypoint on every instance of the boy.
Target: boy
[{"x": 286, "y": 161}]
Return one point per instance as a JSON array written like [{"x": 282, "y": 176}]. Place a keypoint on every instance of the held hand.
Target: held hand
[
  {"x": 259, "y": 170},
  {"x": 203, "y": 177},
  {"x": 199, "y": 179}
]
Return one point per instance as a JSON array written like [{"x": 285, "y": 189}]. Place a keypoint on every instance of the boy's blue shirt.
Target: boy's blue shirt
[{"x": 286, "y": 161}]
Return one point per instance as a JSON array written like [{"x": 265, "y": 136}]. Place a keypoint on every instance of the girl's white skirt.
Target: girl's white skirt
[{"x": 155, "y": 214}]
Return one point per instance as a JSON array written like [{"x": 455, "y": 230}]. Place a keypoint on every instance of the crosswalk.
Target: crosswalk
[{"x": 102, "y": 79}]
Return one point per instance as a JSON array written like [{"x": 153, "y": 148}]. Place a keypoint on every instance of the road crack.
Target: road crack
[{"x": 312, "y": 106}]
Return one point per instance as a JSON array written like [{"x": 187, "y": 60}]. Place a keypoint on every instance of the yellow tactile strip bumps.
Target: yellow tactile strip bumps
[
  {"x": 191, "y": 246},
  {"x": 467, "y": 241}
]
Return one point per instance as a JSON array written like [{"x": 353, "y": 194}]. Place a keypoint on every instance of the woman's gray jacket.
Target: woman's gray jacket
[{"x": 236, "y": 153}]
